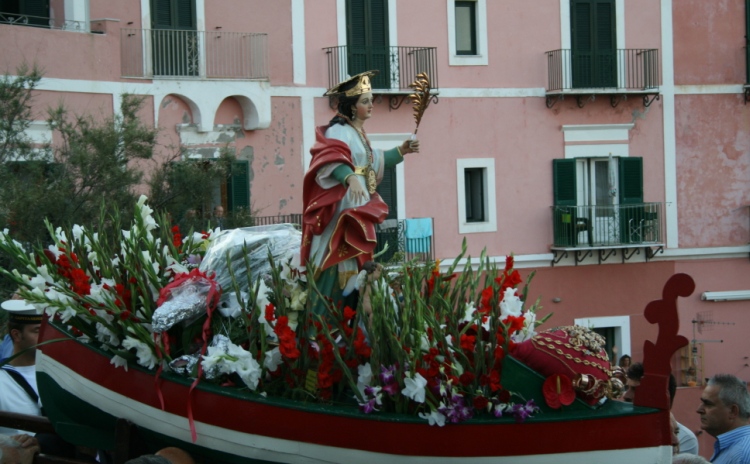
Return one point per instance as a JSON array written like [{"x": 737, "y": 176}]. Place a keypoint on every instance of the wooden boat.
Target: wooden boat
[{"x": 85, "y": 395}]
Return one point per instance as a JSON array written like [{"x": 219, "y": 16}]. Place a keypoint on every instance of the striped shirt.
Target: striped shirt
[{"x": 733, "y": 447}]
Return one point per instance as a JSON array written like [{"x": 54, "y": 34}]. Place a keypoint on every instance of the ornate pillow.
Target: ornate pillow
[{"x": 576, "y": 352}]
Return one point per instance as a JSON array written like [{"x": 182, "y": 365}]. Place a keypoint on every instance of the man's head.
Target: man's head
[
  {"x": 23, "y": 325},
  {"x": 725, "y": 404},
  {"x": 218, "y": 211},
  {"x": 633, "y": 376}
]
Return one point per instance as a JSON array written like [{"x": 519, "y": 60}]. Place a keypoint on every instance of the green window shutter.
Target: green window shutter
[
  {"x": 238, "y": 186},
  {"x": 631, "y": 199},
  {"x": 387, "y": 191},
  {"x": 564, "y": 182},
  {"x": 185, "y": 14},
  {"x": 564, "y": 211},
  {"x": 631, "y": 181},
  {"x": 161, "y": 14},
  {"x": 593, "y": 43},
  {"x": 367, "y": 39}
]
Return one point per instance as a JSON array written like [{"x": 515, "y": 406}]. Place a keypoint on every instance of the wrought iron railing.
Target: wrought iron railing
[
  {"x": 401, "y": 245},
  {"x": 629, "y": 69},
  {"x": 397, "y": 65},
  {"x": 295, "y": 219},
  {"x": 607, "y": 226},
  {"x": 42, "y": 21},
  {"x": 210, "y": 55}
]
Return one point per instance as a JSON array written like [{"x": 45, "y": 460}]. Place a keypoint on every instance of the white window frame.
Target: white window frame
[
  {"x": 387, "y": 142},
  {"x": 621, "y": 324},
  {"x": 481, "y": 58},
  {"x": 490, "y": 222}
]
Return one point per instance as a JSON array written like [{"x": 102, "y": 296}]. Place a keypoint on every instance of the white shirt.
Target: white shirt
[{"x": 13, "y": 398}]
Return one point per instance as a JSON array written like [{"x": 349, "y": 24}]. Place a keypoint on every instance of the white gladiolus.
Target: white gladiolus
[{"x": 511, "y": 304}]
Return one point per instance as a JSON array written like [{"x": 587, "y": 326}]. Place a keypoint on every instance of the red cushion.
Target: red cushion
[{"x": 574, "y": 351}]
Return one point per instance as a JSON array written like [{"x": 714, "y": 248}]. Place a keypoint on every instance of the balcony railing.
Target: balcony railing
[
  {"x": 42, "y": 21},
  {"x": 607, "y": 226},
  {"x": 405, "y": 244},
  {"x": 397, "y": 65},
  {"x": 295, "y": 219},
  {"x": 630, "y": 69},
  {"x": 616, "y": 72},
  {"x": 150, "y": 53},
  {"x": 402, "y": 245}
]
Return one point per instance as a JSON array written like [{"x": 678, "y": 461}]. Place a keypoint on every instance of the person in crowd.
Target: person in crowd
[
  {"x": 624, "y": 362},
  {"x": 725, "y": 411},
  {"x": 340, "y": 203},
  {"x": 685, "y": 458},
  {"x": 18, "y": 449},
  {"x": 168, "y": 455},
  {"x": 675, "y": 434},
  {"x": 634, "y": 374},
  {"x": 218, "y": 217},
  {"x": 18, "y": 390}
]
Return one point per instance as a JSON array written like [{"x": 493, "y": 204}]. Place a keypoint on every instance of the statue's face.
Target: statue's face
[{"x": 363, "y": 108}]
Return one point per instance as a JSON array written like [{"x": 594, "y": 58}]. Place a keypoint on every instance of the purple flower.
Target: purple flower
[
  {"x": 521, "y": 412},
  {"x": 391, "y": 388},
  {"x": 387, "y": 374},
  {"x": 455, "y": 409}
]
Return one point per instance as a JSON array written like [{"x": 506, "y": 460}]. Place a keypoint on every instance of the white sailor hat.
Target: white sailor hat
[{"x": 20, "y": 312}]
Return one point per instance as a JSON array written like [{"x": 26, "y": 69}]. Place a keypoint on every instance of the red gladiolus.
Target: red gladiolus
[
  {"x": 503, "y": 396},
  {"x": 287, "y": 340},
  {"x": 79, "y": 282},
  {"x": 468, "y": 342},
  {"x": 176, "y": 237},
  {"x": 269, "y": 312},
  {"x": 466, "y": 378},
  {"x": 349, "y": 314},
  {"x": 360, "y": 345},
  {"x": 495, "y": 381},
  {"x": 514, "y": 323},
  {"x": 480, "y": 402}
]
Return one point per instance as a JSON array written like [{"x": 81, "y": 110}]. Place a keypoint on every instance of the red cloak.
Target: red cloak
[{"x": 354, "y": 233}]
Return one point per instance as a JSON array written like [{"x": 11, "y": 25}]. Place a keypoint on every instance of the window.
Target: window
[
  {"x": 476, "y": 195},
  {"x": 601, "y": 197},
  {"x": 467, "y": 29},
  {"x": 616, "y": 329}
]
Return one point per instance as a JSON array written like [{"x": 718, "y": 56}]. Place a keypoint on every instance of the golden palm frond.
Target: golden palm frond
[{"x": 421, "y": 97}]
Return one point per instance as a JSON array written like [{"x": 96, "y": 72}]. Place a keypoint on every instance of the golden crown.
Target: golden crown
[{"x": 362, "y": 85}]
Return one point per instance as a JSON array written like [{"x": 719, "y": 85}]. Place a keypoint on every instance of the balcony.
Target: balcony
[
  {"x": 161, "y": 53},
  {"x": 402, "y": 246},
  {"x": 618, "y": 74},
  {"x": 398, "y": 68},
  {"x": 17, "y": 19},
  {"x": 629, "y": 228}
]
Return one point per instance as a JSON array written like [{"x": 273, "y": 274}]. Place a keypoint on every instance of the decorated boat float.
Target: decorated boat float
[{"x": 235, "y": 367}]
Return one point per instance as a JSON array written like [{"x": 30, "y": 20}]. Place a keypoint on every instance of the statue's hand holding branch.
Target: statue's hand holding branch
[{"x": 409, "y": 146}]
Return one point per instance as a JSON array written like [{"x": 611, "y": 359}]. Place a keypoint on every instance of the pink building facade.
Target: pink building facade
[{"x": 606, "y": 143}]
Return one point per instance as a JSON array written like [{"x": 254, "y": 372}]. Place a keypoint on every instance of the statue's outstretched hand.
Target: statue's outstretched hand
[
  {"x": 409, "y": 146},
  {"x": 356, "y": 189}
]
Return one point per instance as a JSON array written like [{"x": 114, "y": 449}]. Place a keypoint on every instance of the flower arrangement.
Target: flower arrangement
[{"x": 433, "y": 347}]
